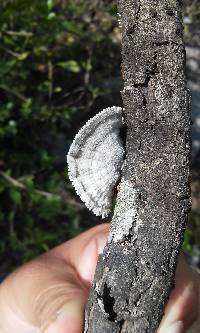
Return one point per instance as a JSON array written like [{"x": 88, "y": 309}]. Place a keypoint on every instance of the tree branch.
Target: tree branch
[
  {"x": 65, "y": 197},
  {"x": 13, "y": 92},
  {"x": 18, "y": 33},
  {"x": 135, "y": 274}
]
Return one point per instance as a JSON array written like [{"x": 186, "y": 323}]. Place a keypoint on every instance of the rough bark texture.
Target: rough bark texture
[{"x": 135, "y": 274}]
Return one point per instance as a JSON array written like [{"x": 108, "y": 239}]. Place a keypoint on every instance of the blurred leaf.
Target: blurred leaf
[
  {"x": 29, "y": 183},
  {"x": 71, "y": 26},
  {"x": 50, "y": 4},
  {"x": 23, "y": 56},
  {"x": 44, "y": 156},
  {"x": 26, "y": 107},
  {"x": 70, "y": 65},
  {"x": 15, "y": 197},
  {"x": 51, "y": 16}
]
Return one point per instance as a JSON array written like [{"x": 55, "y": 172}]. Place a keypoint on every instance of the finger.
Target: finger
[
  {"x": 82, "y": 252},
  {"x": 41, "y": 293},
  {"x": 49, "y": 291},
  {"x": 181, "y": 310}
]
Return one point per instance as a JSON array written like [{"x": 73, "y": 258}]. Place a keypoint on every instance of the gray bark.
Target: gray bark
[{"x": 135, "y": 273}]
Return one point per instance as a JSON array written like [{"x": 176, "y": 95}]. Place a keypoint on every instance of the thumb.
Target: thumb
[
  {"x": 49, "y": 294},
  {"x": 62, "y": 305}
]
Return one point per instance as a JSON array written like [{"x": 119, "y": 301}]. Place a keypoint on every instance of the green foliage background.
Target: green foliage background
[{"x": 56, "y": 58}]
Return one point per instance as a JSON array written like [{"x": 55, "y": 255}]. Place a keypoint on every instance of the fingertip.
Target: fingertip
[
  {"x": 67, "y": 325},
  {"x": 69, "y": 320},
  {"x": 182, "y": 304},
  {"x": 177, "y": 327},
  {"x": 86, "y": 264},
  {"x": 84, "y": 250}
]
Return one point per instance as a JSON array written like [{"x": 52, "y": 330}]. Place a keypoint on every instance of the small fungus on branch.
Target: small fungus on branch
[{"x": 95, "y": 160}]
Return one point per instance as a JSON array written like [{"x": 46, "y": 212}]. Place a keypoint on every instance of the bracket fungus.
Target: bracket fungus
[{"x": 95, "y": 160}]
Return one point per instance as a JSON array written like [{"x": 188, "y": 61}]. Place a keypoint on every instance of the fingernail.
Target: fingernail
[{"x": 177, "y": 327}]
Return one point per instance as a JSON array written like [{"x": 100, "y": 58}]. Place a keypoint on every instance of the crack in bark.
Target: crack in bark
[
  {"x": 165, "y": 43},
  {"x": 109, "y": 303},
  {"x": 149, "y": 74},
  {"x": 137, "y": 301}
]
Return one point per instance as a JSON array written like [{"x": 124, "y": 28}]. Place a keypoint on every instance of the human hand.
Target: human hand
[{"x": 49, "y": 293}]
